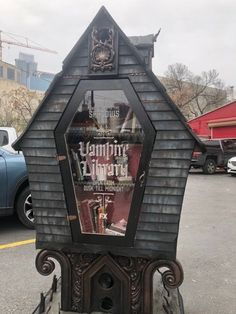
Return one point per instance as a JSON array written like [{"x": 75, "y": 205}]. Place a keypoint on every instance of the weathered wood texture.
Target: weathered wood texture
[
  {"x": 166, "y": 180},
  {"x": 165, "y": 183}
]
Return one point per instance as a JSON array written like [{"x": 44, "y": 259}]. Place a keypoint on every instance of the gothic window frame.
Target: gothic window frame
[{"x": 149, "y": 138}]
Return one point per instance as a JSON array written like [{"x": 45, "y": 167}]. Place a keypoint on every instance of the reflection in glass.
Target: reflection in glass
[{"x": 105, "y": 142}]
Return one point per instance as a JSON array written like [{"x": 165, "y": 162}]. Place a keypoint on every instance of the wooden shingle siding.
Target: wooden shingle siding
[
  {"x": 124, "y": 50},
  {"x": 48, "y": 116},
  {"x": 41, "y": 160},
  {"x": 169, "y": 125},
  {"x": 162, "y": 199},
  {"x": 130, "y": 69},
  {"x": 41, "y": 203},
  {"x": 50, "y": 212},
  {"x": 161, "y": 209},
  {"x": 69, "y": 81},
  {"x": 173, "y": 144},
  {"x": 40, "y": 135},
  {"x": 43, "y": 169},
  {"x": 83, "y": 51},
  {"x": 49, "y": 195},
  {"x": 150, "y": 190},
  {"x": 52, "y": 187},
  {"x": 144, "y": 87},
  {"x": 38, "y": 143},
  {"x": 139, "y": 79},
  {"x": 158, "y": 105},
  {"x": 40, "y": 152},
  {"x": 43, "y": 125},
  {"x": 64, "y": 90},
  {"x": 44, "y": 177},
  {"x": 153, "y": 236},
  {"x": 166, "y": 182},
  {"x": 157, "y": 244},
  {"x": 54, "y": 230},
  {"x": 159, "y": 218},
  {"x": 127, "y": 60},
  {"x": 172, "y": 135},
  {"x": 156, "y": 229},
  {"x": 168, "y": 173},
  {"x": 152, "y": 97},
  {"x": 51, "y": 221},
  {"x": 163, "y": 115},
  {"x": 172, "y": 154},
  {"x": 56, "y": 103},
  {"x": 49, "y": 238},
  {"x": 169, "y": 163},
  {"x": 80, "y": 62},
  {"x": 80, "y": 71}
]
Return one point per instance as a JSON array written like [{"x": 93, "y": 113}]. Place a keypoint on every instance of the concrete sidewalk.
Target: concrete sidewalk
[{"x": 207, "y": 244}]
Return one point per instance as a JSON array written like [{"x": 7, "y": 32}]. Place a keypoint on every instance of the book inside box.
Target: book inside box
[{"x": 105, "y": 142}]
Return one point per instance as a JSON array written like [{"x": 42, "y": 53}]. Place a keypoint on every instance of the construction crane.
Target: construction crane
[{"x": 26, "y": 44}]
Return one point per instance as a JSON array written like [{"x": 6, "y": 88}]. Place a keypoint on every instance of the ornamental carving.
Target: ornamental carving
[{"x": 102, "y": 49}]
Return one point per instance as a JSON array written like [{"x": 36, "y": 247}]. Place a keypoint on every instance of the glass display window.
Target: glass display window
[{"x": 105, "y": 140}]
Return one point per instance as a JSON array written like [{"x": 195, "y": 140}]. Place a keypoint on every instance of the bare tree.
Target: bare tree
[
  {"x": 7, "y": 119},
  {"x": 194, "y": 94},
  {"x": 17, "y": 107}
]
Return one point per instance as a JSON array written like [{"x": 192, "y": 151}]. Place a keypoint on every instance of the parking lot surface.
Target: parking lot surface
[
  {"x": 206, "y": 249},
  {"x": 207, "y": 244}
]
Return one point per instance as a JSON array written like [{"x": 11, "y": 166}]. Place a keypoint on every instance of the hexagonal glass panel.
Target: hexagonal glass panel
[{"x": 104, "y": 141}]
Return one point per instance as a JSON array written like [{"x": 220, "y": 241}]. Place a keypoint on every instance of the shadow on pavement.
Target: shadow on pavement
[
  {"x": 11, "y": 222},
  {"x": 12, "y": 230}
]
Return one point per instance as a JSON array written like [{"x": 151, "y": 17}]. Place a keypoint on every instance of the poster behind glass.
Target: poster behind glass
[{"x": 105, "y": 142}]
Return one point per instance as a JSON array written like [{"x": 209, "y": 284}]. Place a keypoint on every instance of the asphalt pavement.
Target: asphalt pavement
[
  {"x": 206, "y": 250},
  {"x": 207, "y": 244}
]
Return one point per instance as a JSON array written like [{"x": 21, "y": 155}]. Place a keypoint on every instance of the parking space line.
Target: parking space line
[{"x": 14, "y": 244}]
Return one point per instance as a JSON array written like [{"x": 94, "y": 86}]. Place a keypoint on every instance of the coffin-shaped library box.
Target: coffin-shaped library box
[{"x": 108, "y": 155}]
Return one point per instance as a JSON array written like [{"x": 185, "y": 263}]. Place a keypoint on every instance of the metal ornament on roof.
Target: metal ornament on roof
[{"x": 102, "y": 50}]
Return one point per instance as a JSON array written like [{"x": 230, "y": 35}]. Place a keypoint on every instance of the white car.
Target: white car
[
  {"x": 7, "y": 137},
  {"x": 231, "y": 167}
]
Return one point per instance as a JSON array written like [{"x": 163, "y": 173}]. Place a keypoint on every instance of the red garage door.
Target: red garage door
[{"x": 223, "y": 132}]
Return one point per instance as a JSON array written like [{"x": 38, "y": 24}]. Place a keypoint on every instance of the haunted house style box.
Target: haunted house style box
[{"x": 108, "y": 155}]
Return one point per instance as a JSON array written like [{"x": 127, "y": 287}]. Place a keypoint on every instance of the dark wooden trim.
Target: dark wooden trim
[
  {"x": 45, "y": 266},
  {"x": 149, "y": 131}
]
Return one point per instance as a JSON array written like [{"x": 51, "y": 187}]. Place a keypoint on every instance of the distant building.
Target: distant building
[
  {"x": 30, "y": 76},
  {"x": 9, "y": 72}
]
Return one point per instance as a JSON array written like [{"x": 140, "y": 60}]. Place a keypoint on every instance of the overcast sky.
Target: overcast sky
[{"x": 200, "y": 34}]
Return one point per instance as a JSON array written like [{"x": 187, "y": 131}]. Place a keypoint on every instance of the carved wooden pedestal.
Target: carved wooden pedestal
[{"x": 108, "y": 283}]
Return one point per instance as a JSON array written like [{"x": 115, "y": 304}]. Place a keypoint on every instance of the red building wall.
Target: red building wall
[{"x": 219, "y": 123}]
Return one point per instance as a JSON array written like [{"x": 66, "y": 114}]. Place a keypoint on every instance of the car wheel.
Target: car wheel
[
  {"x": 24, "y": 208},
  {"x": 209, "y": 166}
]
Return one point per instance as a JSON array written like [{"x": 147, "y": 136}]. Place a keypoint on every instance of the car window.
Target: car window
[
  {"x": 229, "y": 145},
  {"x": 3, "y": 138}
]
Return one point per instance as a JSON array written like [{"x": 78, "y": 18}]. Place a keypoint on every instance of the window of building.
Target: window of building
[
  {"x": 10, "y": 74},
  {"x": 1, "y": 71},
  {"x": 18, "y": 77}
]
